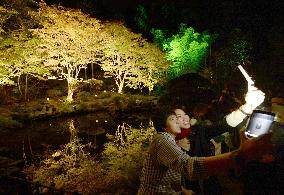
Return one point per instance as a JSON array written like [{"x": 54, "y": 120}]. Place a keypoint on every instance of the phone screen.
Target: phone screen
[{"x": 259, "y": 123}]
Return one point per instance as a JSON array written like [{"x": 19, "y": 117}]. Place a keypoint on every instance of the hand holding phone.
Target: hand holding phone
[{"x": 259, "y": 123}]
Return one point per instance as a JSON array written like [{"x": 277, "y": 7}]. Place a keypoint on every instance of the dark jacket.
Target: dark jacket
[
  {"x": 200, "y": 145},
  {"x": 201, "y": 134}
]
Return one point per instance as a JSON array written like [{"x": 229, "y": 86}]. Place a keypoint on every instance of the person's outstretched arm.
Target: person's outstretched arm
[
  {"x": 253, "y": 99},
  {"x": 250, "y": 149},
  {"x": 168, "y": 154}
]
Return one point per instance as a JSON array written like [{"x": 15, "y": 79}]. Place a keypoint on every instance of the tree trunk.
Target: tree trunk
[
  {"x": 92, "y": 67},
  {"x": 73, "y": 131},
  {"x": 70, "y": 91},
  {"x": 120, "y": 87},
  {"x": 86, "y": 77},
  {"x": 19, "y": 85},
  {"x": 26, "y": 87},
  {"x": 70, "y": 95}
]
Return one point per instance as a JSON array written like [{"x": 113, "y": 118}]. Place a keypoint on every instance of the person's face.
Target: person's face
[
  {"x": 182, "y": 118},
  {"x": 173, "y": 125}
]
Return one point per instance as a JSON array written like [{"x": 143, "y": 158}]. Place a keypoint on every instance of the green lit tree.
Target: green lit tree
[
  {"x": 71, "y": 40},
  {"x": 185, "y": 50},
  {"x": 131, "y": 60}
]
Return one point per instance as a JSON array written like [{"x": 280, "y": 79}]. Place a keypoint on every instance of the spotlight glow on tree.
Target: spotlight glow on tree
[
  {"x": 18, "y": 45},
  {"x": 71, "y": 40},
  {"x": 185, "y": 50},
  {"x": 131, "y": 60},
  {"x": 19, "y": 57}
]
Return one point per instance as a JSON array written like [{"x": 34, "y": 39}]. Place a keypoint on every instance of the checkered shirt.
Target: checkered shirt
[{"x": 164, "y": 165}]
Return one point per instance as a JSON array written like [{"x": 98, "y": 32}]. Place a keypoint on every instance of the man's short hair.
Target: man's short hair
[{"x": 159, "y": 118}]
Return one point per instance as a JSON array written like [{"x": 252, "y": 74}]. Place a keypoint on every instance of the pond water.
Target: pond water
[
  {"x": 36, "y": 138},
  {"x": 51, "y": 133}
]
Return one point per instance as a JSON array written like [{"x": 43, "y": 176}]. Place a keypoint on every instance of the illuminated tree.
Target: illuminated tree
[
  {"x": 7, "y": 70},
  {"x": 18, "y": 46},
  {"x": 71, "y": 40},
  {"x": 19, "y": 57},
  {"x": 185, "y": 50},
  {"x": 153, "y": 71},
  {"x": 131, "y": 60}
]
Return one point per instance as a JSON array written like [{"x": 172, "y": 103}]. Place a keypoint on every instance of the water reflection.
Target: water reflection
[
  {"x": 30, "y": 143},
  {"x": 41, "y": 136}
]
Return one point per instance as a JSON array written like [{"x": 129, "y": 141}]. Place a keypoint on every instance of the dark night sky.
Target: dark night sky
[{"x": 214, "y": 15}]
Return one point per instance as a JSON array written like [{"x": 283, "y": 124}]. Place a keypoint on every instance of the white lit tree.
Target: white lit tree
[
  {"x": 18, "y": 45},
  {"x": 130, "y": 59},
  {"x": 19, "y": 57},
  {"x": 71, "y": 40}
]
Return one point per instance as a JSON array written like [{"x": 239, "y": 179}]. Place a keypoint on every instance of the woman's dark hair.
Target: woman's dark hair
[{"x": 159, "y": 118}]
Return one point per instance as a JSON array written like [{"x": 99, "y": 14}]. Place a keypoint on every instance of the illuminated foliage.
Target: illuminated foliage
[
  {"x": 7, "y": 71},
  {"x": 72, "y": 170},
  {"x": 19, "y": 46},
  {"x": 126, "y": 151},
  {"x": 71, "y": 40},
  {"x": 185, "y": 50},
  {"x": 131, "y": 60},
  {"x": 19, "y": 57}
]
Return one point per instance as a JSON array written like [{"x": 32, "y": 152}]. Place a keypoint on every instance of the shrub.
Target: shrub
[
  {"x": 71, "y": 170},
  {"x": 84, "y": 96},
  {"x": 54, "y": 93},
  {"x": 125, "y": 152},
  {"x": 91, "y": 85},
  {"x": 106, "y": 94}
]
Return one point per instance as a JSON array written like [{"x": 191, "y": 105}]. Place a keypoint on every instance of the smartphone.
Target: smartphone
[{"x": 259, "y": 123}]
